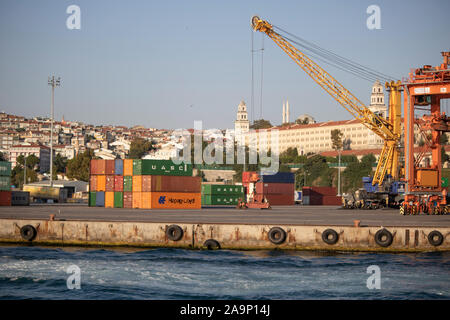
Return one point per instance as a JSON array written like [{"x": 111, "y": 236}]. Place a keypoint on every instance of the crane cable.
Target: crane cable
[{"x": 336, "y": 60}]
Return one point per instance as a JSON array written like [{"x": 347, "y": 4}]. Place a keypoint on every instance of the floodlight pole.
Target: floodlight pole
[{"x": 53, "y": 82}]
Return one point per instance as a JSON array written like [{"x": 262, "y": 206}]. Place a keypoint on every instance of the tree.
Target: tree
[
  {"x": 302, "y": 121},
  {"x": 261, "y": 124},
  {"x": 78, "y": 167},
  {"x": 355, "y": 171},
  {"x": 2, "y": 157},
  {"x": 139, "y": 147},
  {"x": 336, "y": 139},
  {"x": 17, "y": 173}
]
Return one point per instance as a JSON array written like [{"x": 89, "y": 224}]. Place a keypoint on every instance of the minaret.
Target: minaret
[
  {"x": 284, "y": 113},
  {"x": 287, "y": 110}
]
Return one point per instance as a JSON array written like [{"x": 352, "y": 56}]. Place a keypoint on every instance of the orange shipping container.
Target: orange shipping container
[
  {"x": 176, "y": 200},
  {"x": 137, "y": 183},
  {"x": 137, "y": 199},
  {"x": 146, "y": 201},
  {"x": 109, "y": 199},
  {"x": 101, "y": 183},
  {"x": 128, "y": 167}
]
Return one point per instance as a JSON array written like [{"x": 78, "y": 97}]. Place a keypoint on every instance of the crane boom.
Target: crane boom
[{"x": 384, "y": 129}]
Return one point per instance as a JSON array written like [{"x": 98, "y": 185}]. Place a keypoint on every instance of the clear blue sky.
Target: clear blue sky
[{"x": 165, "y": 64}]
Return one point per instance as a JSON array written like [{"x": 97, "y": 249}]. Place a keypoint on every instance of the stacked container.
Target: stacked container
[
  {"x": 278, "y": 188},
  {"x": 219, "y": 194},
  {"x": 146, "y": 184},
  {"x": 5, "y": 183},
  {"x": 321, "y": 196}
]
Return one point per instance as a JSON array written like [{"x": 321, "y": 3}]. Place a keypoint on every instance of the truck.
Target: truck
[{"x": 44, "y": 193}]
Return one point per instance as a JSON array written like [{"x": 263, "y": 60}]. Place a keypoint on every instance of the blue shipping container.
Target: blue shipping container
[
  {"x": 100, "y": 199},
  {"x": 118, "y": 167},
  {"x": 279, "y": 177}
]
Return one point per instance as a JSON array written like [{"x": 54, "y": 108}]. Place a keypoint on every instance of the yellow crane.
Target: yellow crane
[{"x": 389, "y": 130}]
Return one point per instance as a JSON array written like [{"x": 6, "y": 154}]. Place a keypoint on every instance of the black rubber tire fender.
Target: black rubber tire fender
[
  {"x": 383, "y": 238},
  {"x": 28, "y": 232},
  {"x": 211, "y": 244},
  {"x": 174, "y": 232},
  {"x": 276, "y": 235},
  {"x": 435, "y": 238},
  {"x": 330, "y": 236}
]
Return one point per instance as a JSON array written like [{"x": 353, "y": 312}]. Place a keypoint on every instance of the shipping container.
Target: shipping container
[
  {"x": 93, "y": 183},
  {"x": 128, "y": 199},
  {"x": 280, "y": 199},
  {"x": 20, "y": 198},
  {"x": 100, "y": 199},
  {"x": 137, "y": 183},
  {"x": 275, "y": 188},
  {"x": 211, "y": 199},
  {"x": 118, "y": 199},
  {"x": 109, "y": 199},
  {"x": 222, "y": 189},
  {"x": 128, "y": 167},
  {"x": 128, "y": 183},
  {"x": 137, "y": 199},
  {"x": 328, "y": 191},
  {"x": 146, "y": 200},
  {"x": 109, "y": 166},
  {"x": 5, "y": 183},
  {"x": 176, "y": 200},
  {"x": 109, "y": 186},
  {"x": 160, "y": 167},
  {"x": 5, "y": 198},
  {"x": 118, "y": 183},
  {"x": 175, "y": 184},
  {"x": 5, "y": 168},
  {"x": 101, "y": 183},
  {"x": 98, "y": 166},
  {"x": 118, "y": 167},
  {"x": 282, "y": 177},
  {"x": 147, "y": 183},
  {"x": 92, "y": 199},
  {"x": 331, "y": 201}
]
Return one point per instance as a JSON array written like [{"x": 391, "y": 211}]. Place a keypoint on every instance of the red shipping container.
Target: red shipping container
[
  {"x": 326, "y": 191},
  {"x": 110, "y": 166},
  {"x": 280, "y": 199},
  {"x": 109, "y": 183},
  {"x": 275, "y": 188},
  {"x": 128, "y": 199},
  {"x": 118, "y": 183},
  {"x": 331, "y": 201},
  {"x": 5, "y": 198},
  {"x": 98, "y": 166},
  {"x": 93, "y": 183},
  {"x": 147, "y": 183}
]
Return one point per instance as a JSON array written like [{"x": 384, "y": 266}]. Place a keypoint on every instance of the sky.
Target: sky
[{"x": 165, "y": 64}]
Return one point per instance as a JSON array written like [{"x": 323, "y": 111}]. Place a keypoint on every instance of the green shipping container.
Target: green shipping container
[
  {"x": 118, "y": 199},
  {"x": 221, "y": 189},
  {"x": 214, "y": 200},
  {"x": 128, "y": 183},
  {"x": 5, "y": 183},
  {"x": 5, "y": 168},
  {"x": 92, "y": 199},
  {"x": 161, "y": 168}
]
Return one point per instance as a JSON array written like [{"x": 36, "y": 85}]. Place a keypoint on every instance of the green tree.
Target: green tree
[
  {"x": 17, "y": 173},
  {"x": 2, "y": 157},
  {"x": 355, "y": 171},
  {"x": 78, "y": 167},
  {"x": 139, "y": 147},
  {"x": 261, "y": 124},
  {"x": 336, "y": 139}
]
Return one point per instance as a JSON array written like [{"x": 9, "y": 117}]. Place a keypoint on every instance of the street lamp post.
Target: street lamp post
[
  {"x": 25, "y": 171},
  {"x": 53, "y": 82},
  {"x": 339, "y": 173}
]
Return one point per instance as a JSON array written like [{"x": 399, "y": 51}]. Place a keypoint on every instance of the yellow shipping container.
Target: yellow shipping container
[
  {"x": 109, "y": 199},
  {"x": 137, "y": 183},
  {"x": 128, "y": 167},
  {"x": 176, "y": 200},
  {"x": 101, "y": 183},
  {"x": 146, "y": 200},
  {"x": 137, "y": 199}
]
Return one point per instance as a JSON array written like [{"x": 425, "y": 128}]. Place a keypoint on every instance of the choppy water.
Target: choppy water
[{"x": 41, "y": 273}]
